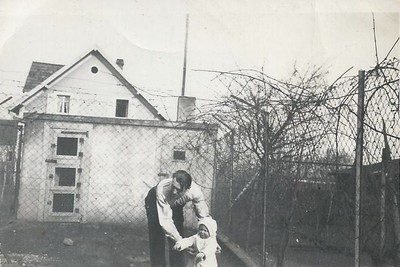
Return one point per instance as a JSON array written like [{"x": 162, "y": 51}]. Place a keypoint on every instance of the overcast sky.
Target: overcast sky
[{"x": 223, "y": 35}]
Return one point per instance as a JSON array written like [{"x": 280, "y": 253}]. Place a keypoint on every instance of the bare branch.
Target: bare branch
[{"x": 376, "y": 47}]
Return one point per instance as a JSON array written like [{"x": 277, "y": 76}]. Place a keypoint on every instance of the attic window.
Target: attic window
[
  {"x": 121, "y": 109},
  {"x": 94, "y": 69},
  {"x": 63, "y": 103}
]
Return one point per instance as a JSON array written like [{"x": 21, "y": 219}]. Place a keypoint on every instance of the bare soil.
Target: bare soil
[{"x": 24, "y": 243}]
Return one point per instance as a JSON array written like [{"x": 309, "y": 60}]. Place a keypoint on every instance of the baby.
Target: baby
[{"x": 204, "y": 243}]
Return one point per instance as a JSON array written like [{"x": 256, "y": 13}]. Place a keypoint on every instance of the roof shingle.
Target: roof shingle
[{"x": 39, "y": 72}]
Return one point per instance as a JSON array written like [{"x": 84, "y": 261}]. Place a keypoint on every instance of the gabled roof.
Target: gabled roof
[
  {"x": 38, "y": 73},
  {"x": 47, "y": 82}
]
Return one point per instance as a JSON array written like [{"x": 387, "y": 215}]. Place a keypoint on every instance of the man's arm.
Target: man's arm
[
  {"x": 165, "y": 217},
  {"x": 199, "y": 203},
  {"x": 195, "y": 195},
  {"x": 184, "y": 243}
]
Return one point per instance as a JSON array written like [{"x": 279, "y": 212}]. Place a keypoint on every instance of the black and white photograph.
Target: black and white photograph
[{"x": 207, "y": 133}]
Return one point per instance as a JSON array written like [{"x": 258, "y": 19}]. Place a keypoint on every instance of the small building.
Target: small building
[
  {"x": 371, "y": 182},
  {"x": 379, "y": 187},
  {"x": 93, "y": 145}
]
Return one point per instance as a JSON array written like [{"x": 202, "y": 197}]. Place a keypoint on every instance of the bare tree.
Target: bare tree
[{"x": 298, "y": 122}]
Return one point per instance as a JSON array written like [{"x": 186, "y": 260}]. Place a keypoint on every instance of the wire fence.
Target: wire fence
[
  {"x": 99, "y": 170},
  {"x": 87, "y": 166},
  {"x": 8, "y": 133},
  {"x": 310, "y": 191}
]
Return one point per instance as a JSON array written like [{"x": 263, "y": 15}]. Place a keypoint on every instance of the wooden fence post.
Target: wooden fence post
[{"x": 358, "y": 165}]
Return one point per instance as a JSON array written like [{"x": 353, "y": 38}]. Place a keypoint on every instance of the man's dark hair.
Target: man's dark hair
[{"x": 183, "y": 178}]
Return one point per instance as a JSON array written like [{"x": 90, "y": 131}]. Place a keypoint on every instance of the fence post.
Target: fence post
[
  {"x": 266, "y": 166},
  {"x": 358, "y": 165},
  {"x": 4, "y": 182},
  {"x": 382, "y": 202},
  {"x": 18, "y": 168},
  {"x": 231, "y": 170}
]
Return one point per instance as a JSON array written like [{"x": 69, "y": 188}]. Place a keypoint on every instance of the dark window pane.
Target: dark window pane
[
  {"x": 67, "y": 146},
  {"x": 121, "y": 108},
  {"x": 63, "y": 202},
  {"x": 179, "y": 155},
  {"x": 65, "y": 176}
]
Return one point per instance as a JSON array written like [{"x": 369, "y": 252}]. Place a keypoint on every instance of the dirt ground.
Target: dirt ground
[{"x": 42, "y": 244}]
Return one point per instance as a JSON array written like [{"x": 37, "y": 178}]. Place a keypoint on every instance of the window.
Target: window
[
  {"x": 94, "y": 70},
  {"x": 179, "y": 155},
  {"x": 65, "y": 177},
  {"x": 67, "y": 146},
  {"x": 63, "y": 103},
  {"x": 121, "y": 108},
  {"x": 63, "y": 202}
]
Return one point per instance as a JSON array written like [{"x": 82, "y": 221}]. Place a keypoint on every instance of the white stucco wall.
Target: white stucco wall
[
  {"x": 33, "y": 172},
  {"x": 91, "y": 94},
  {"x": 120, "y": 163}
]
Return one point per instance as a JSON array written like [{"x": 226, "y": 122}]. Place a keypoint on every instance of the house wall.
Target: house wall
[
  {"x": 124, "y": 165},
  {"x": 121, "y": 162},
  {"x": 38, "y": 105},
  {"x": 33, "y": 172},
  {"x": 91, "y": 94},
  {"x": 199, "y": 161}
]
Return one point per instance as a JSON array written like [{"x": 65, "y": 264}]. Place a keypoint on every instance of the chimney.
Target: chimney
[
  {"x": 120, "y": 63},
  {"x": 186, "y": 108}
]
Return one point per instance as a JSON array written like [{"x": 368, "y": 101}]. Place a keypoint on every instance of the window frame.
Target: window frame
[
  {"x": 179, "y": 150},
  {"x": 119, "y": 108},
  {"x": 64, "y": 104},
  {"x": 58, "y": 143},
  {"x": 59, "y": 178}
]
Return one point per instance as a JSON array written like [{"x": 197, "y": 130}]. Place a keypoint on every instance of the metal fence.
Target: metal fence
[
  {"x": 99, "y": 170},
  {"x": 306, "y": 198},
  {"x": 8, "y": 149},
  {"x": 90, "y": 171},
  {"x": 87, "y": 169}
]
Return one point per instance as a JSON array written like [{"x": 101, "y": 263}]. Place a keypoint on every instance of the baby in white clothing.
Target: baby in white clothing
[{"x": 204, "y": 243}]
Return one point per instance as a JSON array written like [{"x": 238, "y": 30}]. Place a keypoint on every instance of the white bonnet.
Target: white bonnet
[{"x": 211, "y": 225}]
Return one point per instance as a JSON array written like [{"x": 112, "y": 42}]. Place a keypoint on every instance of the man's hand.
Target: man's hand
[
  {"x": 191, "y": 251},
  {"x": 200, "y": 257},
  {"x": 177, "y": 246}
]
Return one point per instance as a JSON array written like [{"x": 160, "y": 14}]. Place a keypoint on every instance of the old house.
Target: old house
[{"x": 93, "y": 145}]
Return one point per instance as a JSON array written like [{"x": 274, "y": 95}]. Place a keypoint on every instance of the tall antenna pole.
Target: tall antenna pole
[{"x": 184, "y": 59}]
